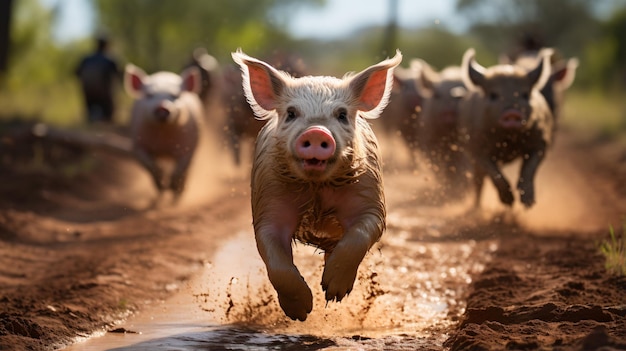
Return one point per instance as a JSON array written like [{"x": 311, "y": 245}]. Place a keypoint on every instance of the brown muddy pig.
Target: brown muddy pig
[
  {"x": 316, "y": 175},
  {"x": 165, "y": 122},
  {"x": 503, "y": 118},
  {"x": 438, "y": 141}
]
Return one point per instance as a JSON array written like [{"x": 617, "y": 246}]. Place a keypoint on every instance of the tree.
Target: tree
[
  {"x": 6, "y": 12},
  {"x": 503, "y": 24},
  {"x": 162, "y": 34}
]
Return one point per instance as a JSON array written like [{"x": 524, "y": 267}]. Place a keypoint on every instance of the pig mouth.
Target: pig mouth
[
  {"x": 512, "y": 119},
  {"x": 314, "y": 165}
]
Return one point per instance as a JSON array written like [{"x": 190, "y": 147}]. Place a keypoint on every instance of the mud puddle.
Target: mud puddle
[{"x": 408, "y": 295}]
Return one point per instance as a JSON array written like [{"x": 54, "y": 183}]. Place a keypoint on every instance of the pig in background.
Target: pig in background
[
  {"x": 241, "y": 126},
  {"x": 562, "y": 75},
  {"x": 400, "y": 119},
  {"x": 442, "y": 93},
  {"x": 504, "y": 117},
  {"x": 316, "y": 175},
  {"x": 166, "y": 119},
  {"x": 208, "y": 67}
]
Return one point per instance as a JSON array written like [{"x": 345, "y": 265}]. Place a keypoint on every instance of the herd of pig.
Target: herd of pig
[{"x": 317, "y": 170}]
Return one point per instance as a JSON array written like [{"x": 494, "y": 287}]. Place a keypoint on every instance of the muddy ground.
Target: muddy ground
[{"x": 83, "y": 248}]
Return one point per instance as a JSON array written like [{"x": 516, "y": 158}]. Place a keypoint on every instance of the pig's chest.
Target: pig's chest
[
  {"x": 164, "y": 140},
  {"x": 319, "y": 223},
  {"x": 507, "y": 147}
]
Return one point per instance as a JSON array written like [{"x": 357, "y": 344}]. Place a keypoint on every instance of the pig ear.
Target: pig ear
[
  {"x": 564, "y": 74},
  {"x": 262, "y": 84},
  {"x": 134, "y": 80},
  {"x": 372, "y": 86},
  {"x": 427, "y": 77},
  {"x": 192, "y": 80},
  {"x": 539, "y": 75},
  {"x": 473, "y": 73}
]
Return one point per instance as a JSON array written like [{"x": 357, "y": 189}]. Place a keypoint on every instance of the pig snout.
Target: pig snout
[
  {"x": 164, "y": 111},
  {"x": 314, "y": 146},
  {"x": 511, "y": 119}
]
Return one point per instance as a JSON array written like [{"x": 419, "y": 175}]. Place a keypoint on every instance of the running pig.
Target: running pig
[
  {"x": 443, "y": 91},
  {"x": 503, "y": 118},
  {"x": 165, "y": 122},
  {"x": 316, "y": 175}
]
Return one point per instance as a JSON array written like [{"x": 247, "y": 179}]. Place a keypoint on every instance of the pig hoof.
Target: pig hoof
[
  {"x": 528, "y": 200},
  {"x": 337, "y": 286},
  {"x": 507, "y": 198},
  {"x": 297, "y": 307}
]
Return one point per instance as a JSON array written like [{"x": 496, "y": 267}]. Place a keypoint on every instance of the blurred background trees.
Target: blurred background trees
[{"x": 161, "y": 35}]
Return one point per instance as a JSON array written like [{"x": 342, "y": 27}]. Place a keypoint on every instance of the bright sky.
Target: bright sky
[{"x": 338, "y": 18}]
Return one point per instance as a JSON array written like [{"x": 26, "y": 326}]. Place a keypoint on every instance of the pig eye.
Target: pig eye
[
  {"x": 291, "y": 114},
  {"x": 493, "y": 96},
  {"x": 342, "y": 115}
]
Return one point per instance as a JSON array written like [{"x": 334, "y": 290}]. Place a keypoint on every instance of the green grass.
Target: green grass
[
  {"x": 614, "y": 251},
  {"x": 599, "y": 115}
]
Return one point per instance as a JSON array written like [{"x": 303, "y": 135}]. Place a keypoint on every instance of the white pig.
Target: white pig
[
  {"x": 165, "y": 122},
  {"x": 316, "y": 175}
]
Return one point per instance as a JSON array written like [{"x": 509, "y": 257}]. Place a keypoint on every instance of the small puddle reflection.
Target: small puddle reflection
[{"x": 407, "y": 296}]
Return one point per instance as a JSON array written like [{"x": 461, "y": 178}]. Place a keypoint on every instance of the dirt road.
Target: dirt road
[{"x": 83, "y": 252}]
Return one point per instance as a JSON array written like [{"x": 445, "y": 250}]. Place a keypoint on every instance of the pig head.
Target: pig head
[
  {"x": 505, "y": 117},
  {"x": 165, "y": 122},
  {"x": 316, "y": 175}
]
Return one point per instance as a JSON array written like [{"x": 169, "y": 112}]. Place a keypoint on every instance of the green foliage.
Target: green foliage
[
  {"x": 614, "y": 251},
  {"x": 162, "y": 35},
  {"x": 595, "y": 112},
  {"x": 39, "y": 83},
  {"x": 571, "y": 26},
  {"x": 427, "y": 44}
]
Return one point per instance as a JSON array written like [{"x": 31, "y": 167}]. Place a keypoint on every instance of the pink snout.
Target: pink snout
[
  {"x": 511, "y": 119},
  {"x": 164, "y": 111},
  {"x": 315, "y": 145}
]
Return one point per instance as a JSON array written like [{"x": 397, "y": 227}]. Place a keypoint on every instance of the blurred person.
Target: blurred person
[{"x": 98, "y": 73}]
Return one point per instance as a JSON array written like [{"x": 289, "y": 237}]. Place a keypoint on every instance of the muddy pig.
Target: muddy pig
[
  {"x": 316, "y": 175},
  {"x": 442, "y": 93},
  {"x": 165, "y": 122},
  {"x": 503, "y": 118},
  {"x": 400, "y": 117}
]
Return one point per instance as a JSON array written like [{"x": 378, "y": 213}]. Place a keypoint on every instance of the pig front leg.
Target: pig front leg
[
  {"x": 526, "y": 182},
  {"x": 274, "y": 245},
  {"x": 502, "y": 185},
  {"x": 343, "y": 261}
]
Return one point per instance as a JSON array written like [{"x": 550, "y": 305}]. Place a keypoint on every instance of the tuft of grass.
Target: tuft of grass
[{"x": 614, "y": 251}]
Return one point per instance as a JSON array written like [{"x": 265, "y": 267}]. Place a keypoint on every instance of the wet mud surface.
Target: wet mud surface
[{"x": 86, "y": 263}]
